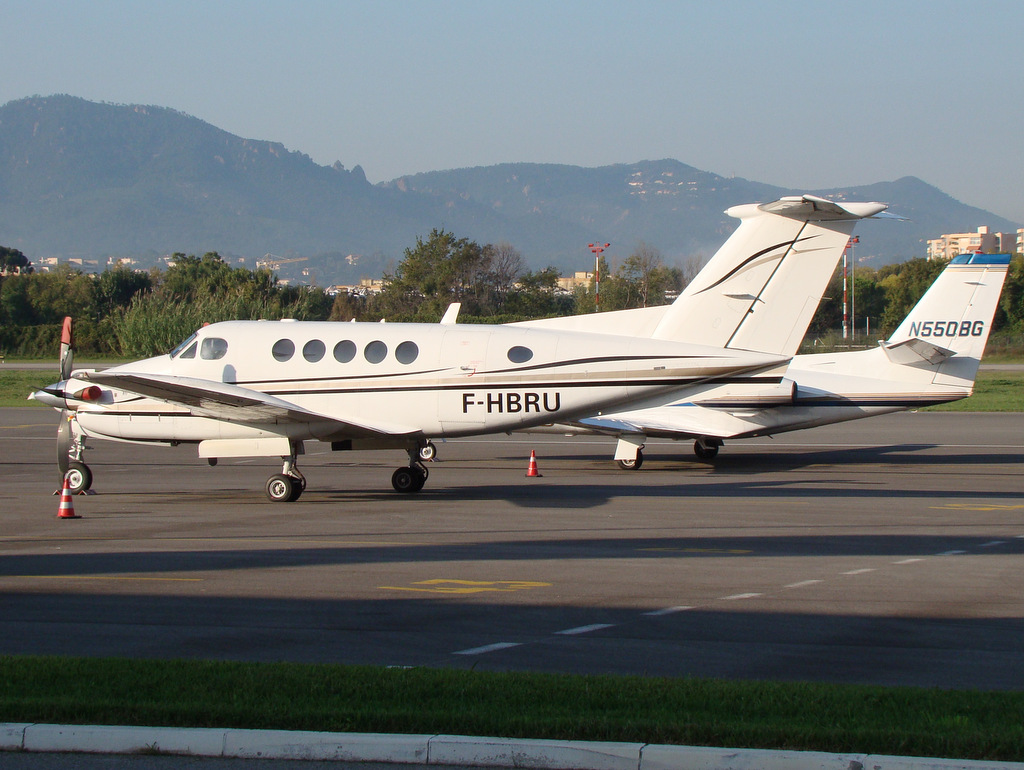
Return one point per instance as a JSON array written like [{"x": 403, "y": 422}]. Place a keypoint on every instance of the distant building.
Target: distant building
[
  {"x": 579, "y": 278},
  {"x": 953, "y": 244}
]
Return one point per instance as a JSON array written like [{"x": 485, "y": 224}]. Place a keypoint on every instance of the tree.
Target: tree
[
  {"x": 436, "y": 272},
  {"x": 13, "y": 261}
]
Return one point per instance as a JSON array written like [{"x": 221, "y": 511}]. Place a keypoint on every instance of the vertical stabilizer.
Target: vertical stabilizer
[
  {"x": 955, "y": 315},
  {"x": 762, "y": 287}
]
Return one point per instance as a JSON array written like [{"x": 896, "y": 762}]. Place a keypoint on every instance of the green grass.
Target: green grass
[
  {"x": 16, "y": 384},
  {"x": 800, "y": 716},
  {"x": 993, "y": 392}
]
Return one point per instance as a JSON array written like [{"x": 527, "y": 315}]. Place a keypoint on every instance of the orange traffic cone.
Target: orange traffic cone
[
  {"x": 66, "y": 509},
  {"x": 532, "y": 469}
]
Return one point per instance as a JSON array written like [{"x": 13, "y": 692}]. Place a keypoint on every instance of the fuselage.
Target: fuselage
[{"x": 408, "y": 379}]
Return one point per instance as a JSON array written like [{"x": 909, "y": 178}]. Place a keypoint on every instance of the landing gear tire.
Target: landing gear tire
[
  {"x": 408, "y": 479},
  {"x": 705, "y": 451},
  {"x": 283, "y": 489},
  {"x": 79, "y": 477},
  {"x": 632, "y": 465},
  {"x": 428, "y": 452}
]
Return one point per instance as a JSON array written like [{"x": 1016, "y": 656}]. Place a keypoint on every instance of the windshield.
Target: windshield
[{"x": 183, "y": 345}]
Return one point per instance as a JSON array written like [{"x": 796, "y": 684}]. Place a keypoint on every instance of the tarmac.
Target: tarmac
[{"x": 884, "y": 552}]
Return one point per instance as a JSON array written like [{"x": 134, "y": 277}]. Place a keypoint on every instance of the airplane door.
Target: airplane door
[{"x": 460, "y": 403}]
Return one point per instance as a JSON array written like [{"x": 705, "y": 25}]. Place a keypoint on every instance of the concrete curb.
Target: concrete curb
[{"x": 446, "y": 749}]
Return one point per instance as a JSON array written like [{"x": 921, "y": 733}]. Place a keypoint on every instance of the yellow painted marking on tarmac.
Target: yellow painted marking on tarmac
[
  {"x": 108, "y": 577},
  {"x": 733, "y": 551},
  {"x": 977, "y": 507},
  {"x": 445, "y": 586}
]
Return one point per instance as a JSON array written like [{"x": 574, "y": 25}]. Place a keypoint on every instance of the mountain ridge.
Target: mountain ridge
[{"x": 91, "y": 179}]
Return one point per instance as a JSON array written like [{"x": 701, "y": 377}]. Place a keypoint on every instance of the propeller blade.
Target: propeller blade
[
  {"x": 63, "y": 442},
  {"x": 67, "y": 350}
]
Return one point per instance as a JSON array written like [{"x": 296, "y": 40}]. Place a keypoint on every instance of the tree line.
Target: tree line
[{"x": 122, "y": 312}]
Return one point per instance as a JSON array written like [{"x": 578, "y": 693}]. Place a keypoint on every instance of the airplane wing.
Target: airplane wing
[{"x": 232, "y": 403}]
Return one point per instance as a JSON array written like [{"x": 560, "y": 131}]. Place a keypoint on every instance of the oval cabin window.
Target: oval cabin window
[
  {"x": 519, "y": 354},
  {"x": 375, "y": 351},
  {"x": 313, "y": 351},
  {"x": 283, "y": 350},
  {"x": 344, "y": 351},
  {"x": 407, "y": 352}
]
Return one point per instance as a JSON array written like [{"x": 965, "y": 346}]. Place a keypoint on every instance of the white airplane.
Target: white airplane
[
  {"x": 932, "y": 358},
  {"x": 263, "y": 388}
]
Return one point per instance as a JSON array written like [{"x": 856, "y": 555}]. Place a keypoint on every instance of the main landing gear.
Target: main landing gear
[
  {"x": 707, "y": 448},
  {"x": 411, "y": 478},
  {"x": 288, "y": 485}
]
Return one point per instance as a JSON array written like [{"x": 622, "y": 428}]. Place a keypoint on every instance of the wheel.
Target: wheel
[
  {"x": 428, "y": 452},
  {"x": 298, "y": 487},
  {"x": 408, "y": 479},
  {"x": 281, "y": 488},
  {"x": 705, "y": 451},
  {"x": 79, "y": 477},
  {"x": 632, "y": 465}
]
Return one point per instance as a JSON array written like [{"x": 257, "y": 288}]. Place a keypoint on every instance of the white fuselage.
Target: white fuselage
[{"x": 365, "y": 381}]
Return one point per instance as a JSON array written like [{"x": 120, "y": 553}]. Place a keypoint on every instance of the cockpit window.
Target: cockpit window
[
  {"x": 184, "y": 345},
  {"x": 191, "y": 352},
  {"x": 213, "y": 348},
  {"x": 283, "y": 349}
]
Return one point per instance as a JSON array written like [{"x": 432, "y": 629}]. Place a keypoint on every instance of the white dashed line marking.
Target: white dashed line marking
[
  {"x": 908, "y": 561},
  {"x": 667, "y": 611},
  {"x": 993, "y": 543},
  {"x": 738, "y": 597},
  {"x": 859, "y": 571},
  {"x": 802, "y": 584},
  {"x": 488, "y": 648},
  {"x": 952, "y": 553},
  {"x": 584, "y": 629}
]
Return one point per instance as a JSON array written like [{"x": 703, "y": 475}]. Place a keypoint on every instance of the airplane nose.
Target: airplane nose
[{"x": 51, "y": 396}]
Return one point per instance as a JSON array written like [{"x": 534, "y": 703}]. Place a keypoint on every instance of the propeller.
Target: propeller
[{"x": 67, "y": 363}]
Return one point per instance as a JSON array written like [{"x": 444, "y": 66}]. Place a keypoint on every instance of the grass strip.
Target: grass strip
[{"x": 774, "y": 715}]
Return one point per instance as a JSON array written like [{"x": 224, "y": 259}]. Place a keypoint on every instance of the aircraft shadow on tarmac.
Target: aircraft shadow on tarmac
[
  {"x": 53, "y": 566},
  {"x": 980, "y": 653}
]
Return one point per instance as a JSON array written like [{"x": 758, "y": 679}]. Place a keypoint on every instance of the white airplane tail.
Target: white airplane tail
[
  {"x": 949, "y": 326},
  {"x": 762, "y": 287}
]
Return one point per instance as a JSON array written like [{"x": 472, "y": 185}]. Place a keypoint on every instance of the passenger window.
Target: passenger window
[
  {"x": 283, "y": 350},
  {"x": 519, "y": 354},
  {"x": 191, "y": 352},
  {"x": 213, "y": 348},
  {"x": 344, "y": 351},
  {"x": 375, "y": 351},
  {"x": 313, "y": 351},
  {"x": 407, "y": 352}
]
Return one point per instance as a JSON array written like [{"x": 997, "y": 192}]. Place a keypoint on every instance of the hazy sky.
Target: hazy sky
[{"x": 802, "y": 95}]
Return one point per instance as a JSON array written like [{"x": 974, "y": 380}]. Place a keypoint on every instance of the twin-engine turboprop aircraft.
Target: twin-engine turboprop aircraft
[
  {"x": 932, "y": 358},
  {"x": 262, "y": 388}
]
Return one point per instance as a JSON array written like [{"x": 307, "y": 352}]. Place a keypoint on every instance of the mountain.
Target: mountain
[{"x": 83, "y": 179}]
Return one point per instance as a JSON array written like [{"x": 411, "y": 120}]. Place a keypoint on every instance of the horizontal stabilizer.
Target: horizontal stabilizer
[{"x": 916, "y": 351}]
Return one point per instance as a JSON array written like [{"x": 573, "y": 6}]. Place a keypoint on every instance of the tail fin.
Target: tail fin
[
  {"x": 950, "y": 324},
  {"x": 762, "y": 287}
]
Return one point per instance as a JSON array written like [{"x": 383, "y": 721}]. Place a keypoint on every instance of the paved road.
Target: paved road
[{"x": 887, "y": 551}]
